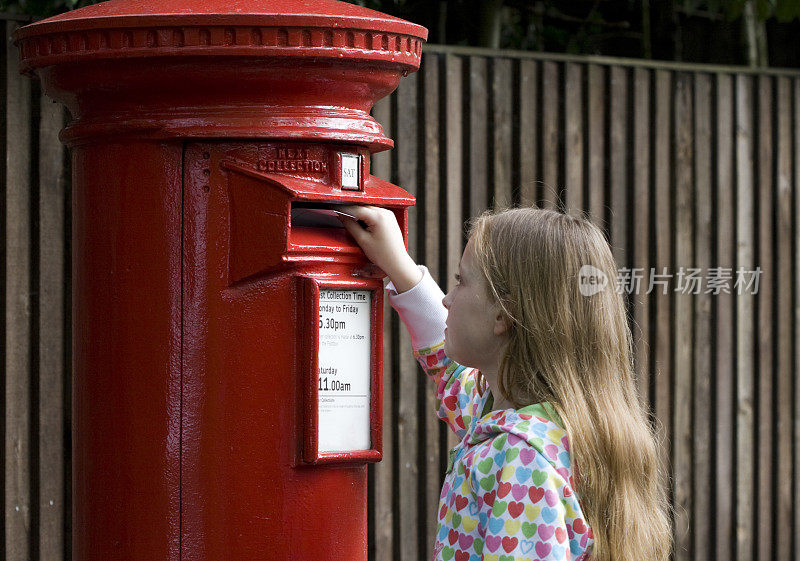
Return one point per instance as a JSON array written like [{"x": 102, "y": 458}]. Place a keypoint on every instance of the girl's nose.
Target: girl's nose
[{"x": 446, "y": 301}]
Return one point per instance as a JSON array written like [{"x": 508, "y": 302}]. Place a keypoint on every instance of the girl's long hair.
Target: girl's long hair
[{"x": 575, "y": 351}]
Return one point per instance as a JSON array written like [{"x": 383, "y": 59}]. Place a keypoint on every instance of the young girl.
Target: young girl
[{"x": 534, "y": 374}]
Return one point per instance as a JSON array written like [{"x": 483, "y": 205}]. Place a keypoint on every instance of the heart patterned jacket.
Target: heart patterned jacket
[{"x": 508, "y": 494}]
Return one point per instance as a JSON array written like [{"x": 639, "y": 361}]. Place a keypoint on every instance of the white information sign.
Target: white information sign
[
  {"x": 344, "y": 370},
  {"x": 351, "y": 171}
]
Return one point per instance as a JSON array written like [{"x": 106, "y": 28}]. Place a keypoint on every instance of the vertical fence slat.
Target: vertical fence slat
[
  {"x": 502, "y": 88},
  {"x": 795, "y": 530},
  {"x": 618, "y": 163},
  {"x": 745, "y": 438},
  {"x": 596, "y": 85},
  {"x": 702, "y": 340},
  {"x": 411, "y": 380},
  {"x": 783, "y": 206},
  {"x": 478, "y": 194},
  {"x": 52, "y": 337},
  {"x": 661, "y": 357},
  {"x": 455, "y": 154},
  {"x": 573, "y": 138},
  {"x": 682, "y": 373},
  {"x": 764, "y": 330},
  {"x": 724, "y": 335},
  {"x": 383, "y": 484},
  {"x": 550, "y": 134},
  {"x": 641, "y": 227},
  {"x": 528, "y": 92},
  {"x": 18, "y": 449},
  {"x": 433, "y": 427}
]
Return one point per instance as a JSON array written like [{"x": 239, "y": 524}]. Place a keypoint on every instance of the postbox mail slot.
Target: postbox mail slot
[
  {"x": 341, "y": 322},
  {"x": 311, "y": 215},
  {"x": 314, "y": 227}
]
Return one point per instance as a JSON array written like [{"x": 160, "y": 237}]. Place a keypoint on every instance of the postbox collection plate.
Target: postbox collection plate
[
  {"x": 343, "y": 378},
  {"x": 343, "y": 364}
]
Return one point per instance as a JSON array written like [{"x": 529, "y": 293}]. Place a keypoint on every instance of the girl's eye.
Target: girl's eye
[{"x": 458, "y": 278}]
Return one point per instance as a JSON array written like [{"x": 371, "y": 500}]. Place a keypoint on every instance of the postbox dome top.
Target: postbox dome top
[{"x": 131, "y": 28}]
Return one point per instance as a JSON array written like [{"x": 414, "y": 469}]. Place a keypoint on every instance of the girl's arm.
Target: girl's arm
[
  {"x": 418, "y": 300},
  {"x": 424, "y": 315}
]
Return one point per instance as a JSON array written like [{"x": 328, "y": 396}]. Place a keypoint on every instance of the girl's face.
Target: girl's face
[{"x": 476, "y": 331}]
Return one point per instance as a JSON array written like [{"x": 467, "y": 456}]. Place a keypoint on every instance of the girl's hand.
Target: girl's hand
[{"x": 382, "y": 242}]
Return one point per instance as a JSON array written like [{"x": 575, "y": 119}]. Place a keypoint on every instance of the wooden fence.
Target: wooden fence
[{"x": 685, "y": 167}]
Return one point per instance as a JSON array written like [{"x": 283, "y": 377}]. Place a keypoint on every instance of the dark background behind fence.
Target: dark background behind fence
[{"x": 682, "y": 166}]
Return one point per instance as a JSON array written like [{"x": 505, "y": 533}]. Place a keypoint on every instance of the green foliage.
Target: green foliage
[
  {"x": 781, "y": 10},
  {"x": 786, "y": 10}
]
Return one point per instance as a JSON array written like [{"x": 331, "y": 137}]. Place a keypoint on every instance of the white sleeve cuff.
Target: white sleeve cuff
[{"x": 421, "y": 310}]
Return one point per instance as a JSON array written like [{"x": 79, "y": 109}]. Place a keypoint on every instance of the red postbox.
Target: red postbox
[{"x": 226, "y": 330}]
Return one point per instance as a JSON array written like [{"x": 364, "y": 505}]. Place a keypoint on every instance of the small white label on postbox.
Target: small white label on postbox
[
  {"x": 345, "y": 346},
  {"x": 351, "y": 172}
]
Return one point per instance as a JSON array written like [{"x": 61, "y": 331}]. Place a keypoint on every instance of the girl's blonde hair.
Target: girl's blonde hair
[{"x": 576, "y": 352}]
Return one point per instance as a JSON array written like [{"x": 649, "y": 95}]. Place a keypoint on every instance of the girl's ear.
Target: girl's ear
[{"x": 501, "y": 324}]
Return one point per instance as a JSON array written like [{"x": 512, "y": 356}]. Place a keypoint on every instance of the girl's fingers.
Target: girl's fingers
[
  {"x": 360, "y": 234},
  {"x": 341, "y": 213},
  {"x": 345, "y": 216},
  {"x": 352, "y": 227},
  {"x": 373, "y": 216},
  {"x": 364, "y": 213},
  {"x": 376, "y": 231}
]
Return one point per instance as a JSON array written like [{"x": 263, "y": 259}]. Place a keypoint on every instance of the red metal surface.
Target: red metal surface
[
  {"x": 197, "y": 128},
  {"x": 303, "y": 69},
  {"x": 126, "y": 330}
]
